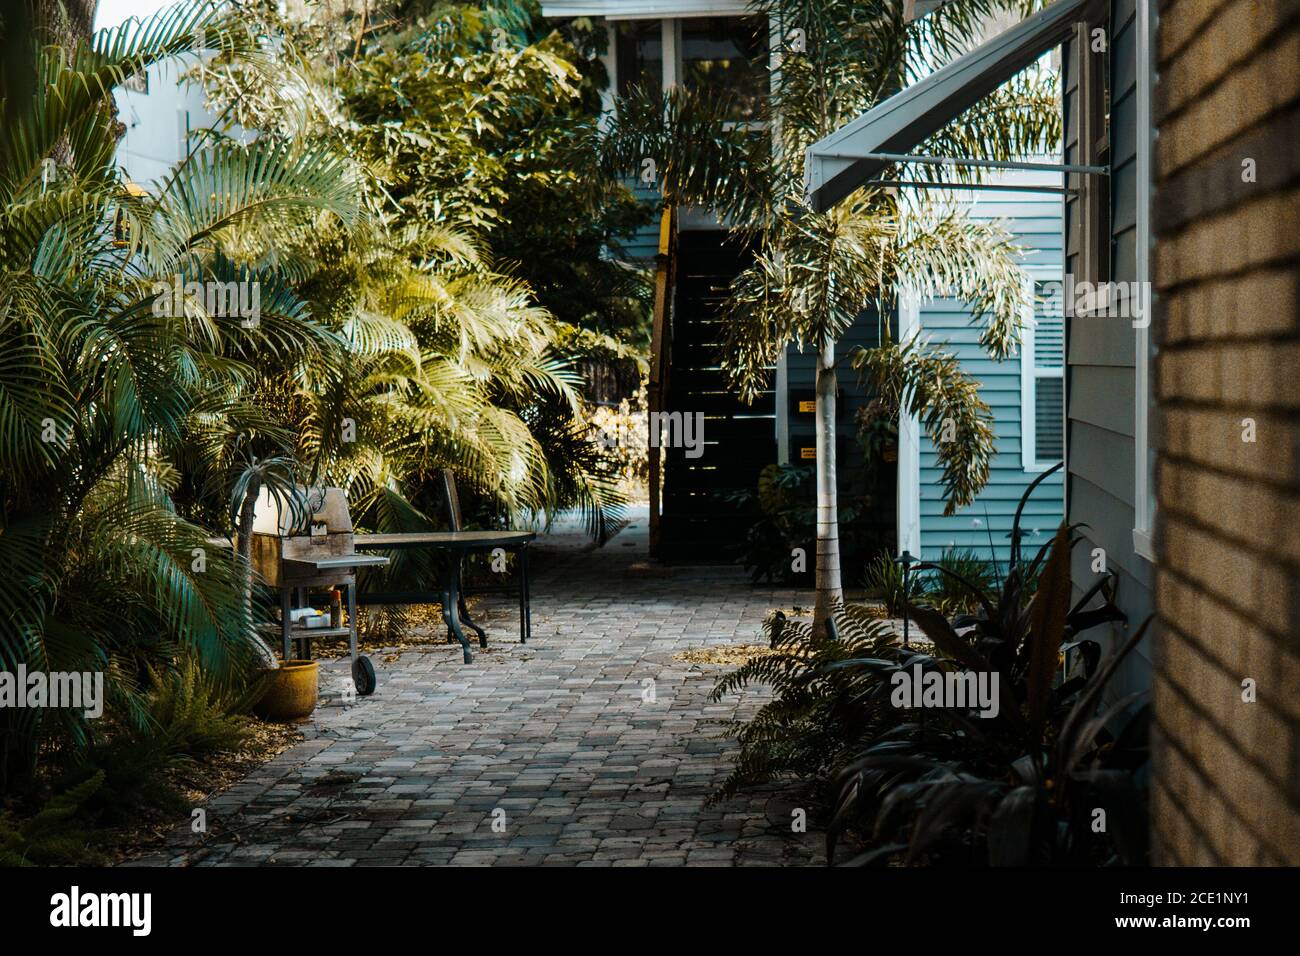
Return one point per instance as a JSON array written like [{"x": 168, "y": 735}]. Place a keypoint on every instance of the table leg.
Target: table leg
[
  {"x": 464, "y": 611},
  {"x": 464, "y": 616},
  {"x": 525, "y": 612},
  {"x": 451, "y": 606}
]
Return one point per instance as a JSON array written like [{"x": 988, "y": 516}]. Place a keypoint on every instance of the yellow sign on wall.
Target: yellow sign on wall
[
  {"x": 808, "y": 407},
  {"x": 808, "y": 453}
]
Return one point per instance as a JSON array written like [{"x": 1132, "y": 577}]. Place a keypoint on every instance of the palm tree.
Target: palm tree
[
  {"x": 445, "y": 360},
  {"x": 814, "y": 273},
  {"x": 104, "y": 381}
]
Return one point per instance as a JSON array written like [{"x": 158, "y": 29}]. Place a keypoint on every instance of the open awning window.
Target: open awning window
[{"x": 840, "y": 163}]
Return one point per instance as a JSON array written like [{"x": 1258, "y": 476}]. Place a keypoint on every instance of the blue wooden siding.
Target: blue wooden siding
[
  {"x": 1035, "y": 219},
  {"x": 643, "y": 244}
]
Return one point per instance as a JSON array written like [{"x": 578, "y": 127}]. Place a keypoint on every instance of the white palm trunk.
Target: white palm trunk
[{"x": 829, "y": 591}]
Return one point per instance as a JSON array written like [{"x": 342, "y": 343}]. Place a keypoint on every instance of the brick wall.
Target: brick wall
[{"x": 1226, "y": 785}]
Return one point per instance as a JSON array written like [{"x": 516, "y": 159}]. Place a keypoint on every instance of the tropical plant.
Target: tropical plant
[
  {"x": 131, "y": 769},
  {"x": 1012, "y": 788},
  {"x": 1024, "y": 787},
  {"x": 108, "y": 373},
  {"x": 947, "y": 590},
  {"x": 884, "y": 579},
  {"x": 57, "y": 835},
  {"x": 189, "y": 713},
  {"x": 922, "y": 786},
  {"x": 1003, "y": 602},
  {"x": 448, "y": 361},
  {"x": 820, "y": 715},
  {"x": 422, "y": 93},
  {"x": 814, "y": 273}
]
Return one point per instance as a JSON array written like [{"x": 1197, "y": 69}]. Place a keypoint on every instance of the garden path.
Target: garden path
[{"x": 559, "y": 743}]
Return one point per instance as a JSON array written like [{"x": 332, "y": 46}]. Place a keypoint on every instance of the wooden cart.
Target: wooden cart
[{"x": 304, "y": 543}]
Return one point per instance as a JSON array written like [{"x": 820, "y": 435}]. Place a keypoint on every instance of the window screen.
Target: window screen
[{"x": 1049, "y": 369}]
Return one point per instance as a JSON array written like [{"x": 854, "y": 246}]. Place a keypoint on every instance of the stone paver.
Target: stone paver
[{"x": 589, "y": 746}]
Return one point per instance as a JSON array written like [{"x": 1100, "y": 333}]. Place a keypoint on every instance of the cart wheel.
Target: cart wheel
[{"x": 363, "y": 676}]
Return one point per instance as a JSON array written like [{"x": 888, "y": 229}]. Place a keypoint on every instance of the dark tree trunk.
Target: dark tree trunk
[{"x": 64, "y": 24}]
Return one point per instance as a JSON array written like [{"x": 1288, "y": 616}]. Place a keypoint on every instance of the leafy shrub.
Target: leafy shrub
[
  {"x": 817, "y": 720},
  {"x": 942, "y": 786},
  {"x": 1019, "y": 787},
  {"x": 55, "y": 836},
  {"x": 188, "y": 714},
  {"x": 884, "y": 580},
  {"x": 128, "y": 768},
  {"x": 947, "y": 586},
  {"x": 197, "y": 714},
  {"x": 787, "y": 509}
]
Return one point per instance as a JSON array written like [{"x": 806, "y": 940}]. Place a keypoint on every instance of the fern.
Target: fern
[
  {"x": 57, "y": 835},
  {"x": 822, "y": 712},
  {"x": 198, "y": 714}
]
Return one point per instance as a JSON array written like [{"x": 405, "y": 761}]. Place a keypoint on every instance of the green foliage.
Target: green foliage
[
  {"x": 197, "y": 714},
  {"x": 945, "y": 786},
  {"x": 819, "y": 716},
  {"x": 106, "y": 381},
  {"x": 452, "y": 358},
  {"x": 1018, "y": 787},
  {"x": 376, "y": 212},
  {"x": 787, "y": 520},
  {"x": 188, "y": 714},
  {"x": 475, "y": 118},
  {"x": 129, "y": 768},
  {"x": 884, "y": 580},
  {"x": 948, "y": 587},
  {"x": 57, "y": 835},
  {"x": 916, "y": 378},
  {"x": 1021, "y": 788}
]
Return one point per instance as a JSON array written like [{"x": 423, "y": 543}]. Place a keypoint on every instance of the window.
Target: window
[
  {"x": 639, "y": 56},
  {"x": 1042, "y": 379},
  {"x": 727, "y": 56}
]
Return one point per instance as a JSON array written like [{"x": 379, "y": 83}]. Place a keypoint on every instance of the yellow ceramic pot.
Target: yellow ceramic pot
[{"x": 292, "y": 692}]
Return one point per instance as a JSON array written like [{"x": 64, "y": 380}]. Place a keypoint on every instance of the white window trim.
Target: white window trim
[
  {"x": 1029, "y": 374},
  {"x": 1144, "y": 503},
  {"x": 671, "y": 52}
]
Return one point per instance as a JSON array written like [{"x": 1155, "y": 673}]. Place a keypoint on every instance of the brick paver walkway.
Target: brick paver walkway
[{"x": 549, "y": 753}]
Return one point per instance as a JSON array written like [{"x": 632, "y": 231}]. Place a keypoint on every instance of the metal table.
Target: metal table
[{"x": 455, "y": 545}]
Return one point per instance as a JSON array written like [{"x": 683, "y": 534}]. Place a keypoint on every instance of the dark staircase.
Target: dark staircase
[{"x": 698, "y": 525}]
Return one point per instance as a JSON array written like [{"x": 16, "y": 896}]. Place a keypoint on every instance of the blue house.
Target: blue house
[
  {"x": 696, "y": 43},
  {"x": 1024, "y": 391}
]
